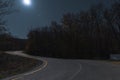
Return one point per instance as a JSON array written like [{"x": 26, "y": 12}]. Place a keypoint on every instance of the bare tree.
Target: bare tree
[{"x": 6, "y": 7}]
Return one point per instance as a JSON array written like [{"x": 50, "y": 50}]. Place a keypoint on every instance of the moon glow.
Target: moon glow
[{"x": 27, "y": 2}]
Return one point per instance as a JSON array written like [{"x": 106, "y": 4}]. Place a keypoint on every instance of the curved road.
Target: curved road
[{"x": 60, "y": 69}]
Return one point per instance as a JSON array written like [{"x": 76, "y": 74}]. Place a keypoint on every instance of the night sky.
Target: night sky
[{"x": 42, "y": 12}]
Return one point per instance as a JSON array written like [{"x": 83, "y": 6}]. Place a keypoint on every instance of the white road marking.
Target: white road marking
[
  {"x": 45, "y": 63},
  {"x": 30, "y": 73},
  {"x": 80, "y": 68}
]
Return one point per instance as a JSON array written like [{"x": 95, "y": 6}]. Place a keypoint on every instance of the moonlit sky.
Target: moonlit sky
[
  {"x": 27, "y": 2},
  {"x": 42, "y": 12}
]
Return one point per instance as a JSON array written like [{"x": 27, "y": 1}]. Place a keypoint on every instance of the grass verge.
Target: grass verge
[
  {"x": 12, "y": 65},
  {"x": 115, "y": 62}
]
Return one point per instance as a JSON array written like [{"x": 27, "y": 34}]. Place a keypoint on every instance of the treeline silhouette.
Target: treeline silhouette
[
  {"x": 10, "y": 43},
  {"x": 92, "y": 34}
]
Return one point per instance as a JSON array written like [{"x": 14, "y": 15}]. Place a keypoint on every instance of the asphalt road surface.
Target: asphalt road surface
[{"x": 60, "y": 69}]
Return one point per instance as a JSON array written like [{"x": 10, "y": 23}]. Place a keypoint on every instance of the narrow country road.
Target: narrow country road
[{"x": 60, "y": 69}]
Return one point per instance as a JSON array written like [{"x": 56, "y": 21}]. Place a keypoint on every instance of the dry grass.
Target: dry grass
[
  {"x": 11, "y": 65},
  {"x": 115, "y": 62},
  {"x": 112, "y": 61}
]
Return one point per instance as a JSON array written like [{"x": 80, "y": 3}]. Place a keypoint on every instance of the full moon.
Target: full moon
[{"x": 27, "y": 2}]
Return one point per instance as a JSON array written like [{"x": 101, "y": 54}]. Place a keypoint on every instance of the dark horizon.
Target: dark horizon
[{"x": 41, "y": 13}]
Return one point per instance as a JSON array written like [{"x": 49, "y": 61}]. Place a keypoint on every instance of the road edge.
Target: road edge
[{"x": 35, "y": 70}]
